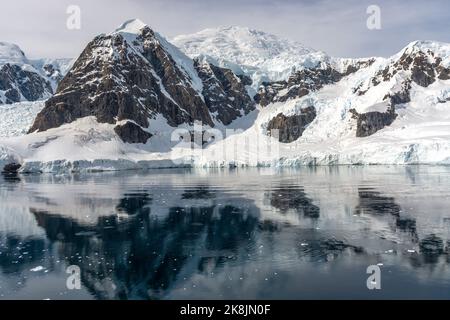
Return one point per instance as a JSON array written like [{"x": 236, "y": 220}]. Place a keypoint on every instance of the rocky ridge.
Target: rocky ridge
[
  {"x": 134, "y": 74},
  {"x": 22, "y": 79}
]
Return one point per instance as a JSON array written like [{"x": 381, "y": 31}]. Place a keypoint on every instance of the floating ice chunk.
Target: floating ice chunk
[{"x": 37, "y": 269}]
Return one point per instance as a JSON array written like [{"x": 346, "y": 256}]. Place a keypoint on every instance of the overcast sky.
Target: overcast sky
[{"x": 337, "y": 27}]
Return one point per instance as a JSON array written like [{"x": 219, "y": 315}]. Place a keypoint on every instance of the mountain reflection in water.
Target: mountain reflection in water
[{"x": 238, "y": 234}]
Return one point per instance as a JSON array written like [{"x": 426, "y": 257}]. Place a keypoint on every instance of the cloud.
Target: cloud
[{"x": 337, "y": 27}]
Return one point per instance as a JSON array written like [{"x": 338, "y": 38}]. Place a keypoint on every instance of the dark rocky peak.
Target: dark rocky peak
[
  {"x": 126, "y": 75},
  {"x": 135, "y": 74},
  {"x": 424, "y": 59}
]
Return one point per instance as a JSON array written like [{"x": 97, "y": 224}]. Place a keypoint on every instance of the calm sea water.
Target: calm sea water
[{"x": 228, "y": 234}]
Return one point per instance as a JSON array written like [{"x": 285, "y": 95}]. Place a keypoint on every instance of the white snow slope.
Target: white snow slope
[{"x": 419, "y": 135}]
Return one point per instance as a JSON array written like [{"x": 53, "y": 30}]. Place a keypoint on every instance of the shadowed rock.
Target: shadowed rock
[
  {"x": 132, "y": 133},
  {"x": 131, "y": 84},
  {"x": 18, "y": 83},
  {"x": 419, "y": 66},
  {"x": 225, "y": 93},
  {"x": 290, "y": 128},
  {"x": 117, "y": 78},
  {"x": 371, "y": 122},
  {"x": 424, "y": 67}
]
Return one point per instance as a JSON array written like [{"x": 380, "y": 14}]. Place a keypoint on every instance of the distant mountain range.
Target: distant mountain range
[
  {"x": 22, "y": 79},
  {"x": 117, "y": 105}
]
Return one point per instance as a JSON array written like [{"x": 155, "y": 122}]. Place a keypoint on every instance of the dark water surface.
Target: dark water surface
[{"x": 240, "y": 234}]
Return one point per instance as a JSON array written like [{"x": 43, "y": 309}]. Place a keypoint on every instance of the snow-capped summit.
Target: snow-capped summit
[
  {"x": 440, "y": 49},
  {"x": 240, "y": 45},
  {"x": 131, "y": 29},
  {"x": 266, "y": 57},
  {"x": 11, "y": 53},
  {"x": 133, "y": 26}
]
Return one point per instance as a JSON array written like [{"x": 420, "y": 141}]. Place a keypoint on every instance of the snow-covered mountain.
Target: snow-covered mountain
[
  {"x": 132, "y": 76},
  {"x": 120, "y": 105},
  {"x": 262, "y": 56},
  {"x": 243, "y": 46},
  {"x": 22, "y": 79},
  {"x": 392, "y": 111}
]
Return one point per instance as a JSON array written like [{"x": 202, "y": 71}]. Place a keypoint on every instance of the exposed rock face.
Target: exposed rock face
[
  {"x": 290, "y": 128},
  {"x": 423, "y": 72},
  {"x": 371, "y": 122},
  {"x": 444, "y": 73},
  {"x": 225, "y": 93},
  {"x": 52, "y": 72},
  {"x": 400, "y": 96},
  {"x": 18, "y": 84},
  {"x": 419, "y": 66},
  {"x": 137, "y": 75},
  {"x": 26, "y": 80},
  {"x": 355, "y": 66},
  {"x": 302, "y": 82},
  {"x": 298, "y": 85},
  {"x": 114, "y": 80},
  {"x": 132, "y": 133},
  {"x": 415, "y": 65}
]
